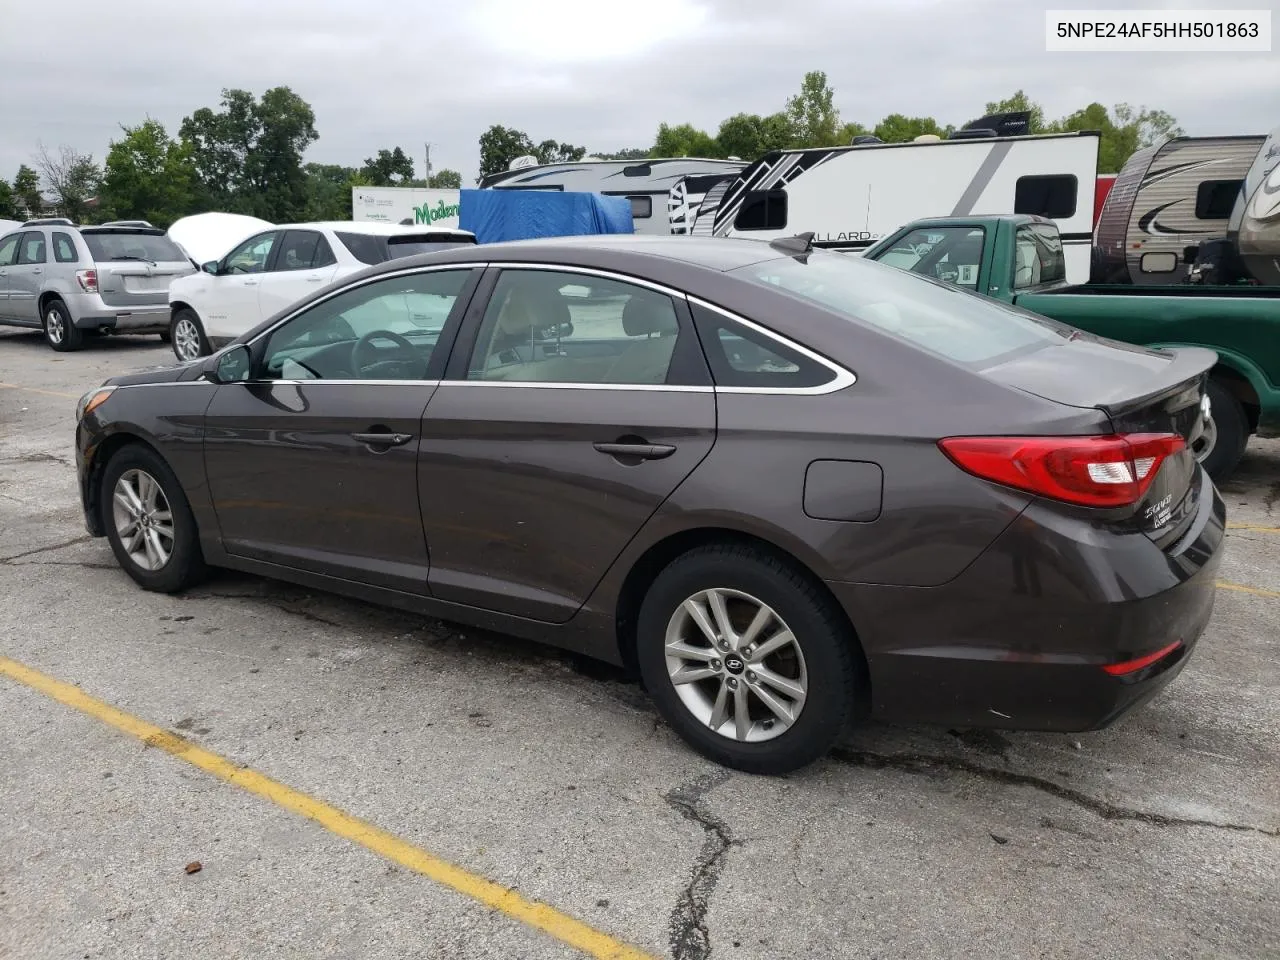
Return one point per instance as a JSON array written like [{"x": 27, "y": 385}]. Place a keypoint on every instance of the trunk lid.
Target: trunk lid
[
  {"x": 135, "y": 264},
  {"x": 1140, "y": 391}
]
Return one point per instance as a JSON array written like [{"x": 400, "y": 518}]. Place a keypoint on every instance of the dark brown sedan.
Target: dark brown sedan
[{"x": 791, "y": 487}]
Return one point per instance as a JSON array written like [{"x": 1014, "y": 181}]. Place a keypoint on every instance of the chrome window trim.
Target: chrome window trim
[
  {"x": 526, "y": 384},
  {"x": 843, "y": 377}
]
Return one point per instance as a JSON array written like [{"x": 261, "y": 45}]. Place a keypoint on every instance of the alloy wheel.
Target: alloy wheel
[
  {"x": 186, "y": 339},
  {"x": 54, "y": 325},
  {"x": 143, "y": 519},
  {"x": 736, "y": 665}
]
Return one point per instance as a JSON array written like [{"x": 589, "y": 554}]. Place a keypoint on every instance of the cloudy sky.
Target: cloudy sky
[{"x": 591, "y": 72}]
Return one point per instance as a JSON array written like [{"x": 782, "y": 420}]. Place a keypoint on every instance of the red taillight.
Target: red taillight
[
  {"x": 1110, "y": 471},
  {"x": 88, "y": 280},
  {"x": 1133, "y": 666}
]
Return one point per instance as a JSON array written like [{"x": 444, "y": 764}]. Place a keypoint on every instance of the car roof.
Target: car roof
[
  {"x": 712, "y": 253},
  {"x": 371, "y": 227}
]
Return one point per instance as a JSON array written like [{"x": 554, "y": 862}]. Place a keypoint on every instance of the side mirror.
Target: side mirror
[
  {"x": 229, "y": 367},
  {"x": 210, "y": 267}
]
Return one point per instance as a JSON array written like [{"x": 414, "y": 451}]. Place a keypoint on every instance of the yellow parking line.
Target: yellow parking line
[
  {"x": 1252, "y": 528},
  {"x": 537, "y": 915},
  {"x": 47, "y": 393},
  {"x": 1255, "y": 591}
]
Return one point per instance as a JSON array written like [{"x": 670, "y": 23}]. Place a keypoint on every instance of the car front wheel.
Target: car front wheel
[
  {"x": 747, "y": 659},
  {"x": 187, "y": 336},
  {"x": 149, "y": 522}
]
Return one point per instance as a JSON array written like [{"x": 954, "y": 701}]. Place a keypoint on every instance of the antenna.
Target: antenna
[{"x": 798, "y": 246}]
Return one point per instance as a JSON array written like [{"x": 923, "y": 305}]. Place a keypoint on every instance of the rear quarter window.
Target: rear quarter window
[
  {"x": 937, "y": 317},
  {"x": 365, "y": 247}
]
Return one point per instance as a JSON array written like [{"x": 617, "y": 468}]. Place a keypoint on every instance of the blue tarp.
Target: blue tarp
[{"x": 497, "y": 215}]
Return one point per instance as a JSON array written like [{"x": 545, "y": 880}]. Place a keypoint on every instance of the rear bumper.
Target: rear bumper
[
  {"x": 88, "y": 312},
  {"x": 1019, "y": 640}
]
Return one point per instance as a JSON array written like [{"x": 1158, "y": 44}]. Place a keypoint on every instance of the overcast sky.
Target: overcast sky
[{"x": 595, "y": 73}]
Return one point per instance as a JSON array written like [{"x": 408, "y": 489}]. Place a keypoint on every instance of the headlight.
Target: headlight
[{"x": 91, "y": 401}]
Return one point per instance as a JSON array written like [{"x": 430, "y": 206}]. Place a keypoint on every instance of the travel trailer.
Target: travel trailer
[
  {"x": 1255, "y": 224},
  {"x": 665, "y": 193},
  {"x": 850, "y": 197},
  {"x": 1167, "y": 199},
  {"x": 1105, "y": 182}
]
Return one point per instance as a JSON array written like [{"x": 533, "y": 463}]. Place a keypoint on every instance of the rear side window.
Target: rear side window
[
  {"x": 64, "y": 248},
  {"x": 365, "y": 248},
  {"x": 1215, "y": 199},
  {"x": 937, "y": 317},
  {"x": 411, "y": 245},
  {"x": 762, "y": 210},
  {"x": 1051, "y": 196},
  {"x": 31, "y": 249},
  {"x": 9, "y": 249},
  {"x": 1039, "y": 257},
  {"x": 123, "y": 245},
  {"x": 740, "y": 356},
  {"x": 303, "y": 250}
]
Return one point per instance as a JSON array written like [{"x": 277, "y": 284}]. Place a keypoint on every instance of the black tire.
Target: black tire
[
  {"x": 59, "y": 332},
  {"x": 186, "y": 315},
  {"x": 829, "y": 650},
  {"x": 1232, "y": 428},
  {"x": 185, "y": 565}
]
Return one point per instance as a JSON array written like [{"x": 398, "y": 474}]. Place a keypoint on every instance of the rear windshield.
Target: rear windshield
[
  {"x": 123, "y": 245},
  {"x": 943, "y": 319},
  {"x": 368, "y": 248}
]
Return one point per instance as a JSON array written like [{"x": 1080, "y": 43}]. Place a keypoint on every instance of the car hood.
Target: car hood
[
  {"x": 209, "y": 236},
  {"x": 165, "y": 373}
]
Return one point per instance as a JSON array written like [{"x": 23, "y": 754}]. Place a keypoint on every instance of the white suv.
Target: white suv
[{"x": 277, "y": 267}]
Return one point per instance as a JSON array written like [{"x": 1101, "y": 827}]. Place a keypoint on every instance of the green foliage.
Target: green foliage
[
  {"x": 26, "y": 190},
  {"x": 748, "y": 135},
  {"x": 390, "y": 168},
  {"x": 248, "y": 154},
  {"x": 8, "y": 211},
  {"x": 446, "y": 180},
  {"x": 815, "y": 121},
  {"x": 684, "y": 140},
  {"x": 500, "y": 145},
  {"x": 896, "y": 128},
  {"x": 329, "y": 191},
  {"x": 630, "y": 153},
  {"x": 149, "y": 176}
]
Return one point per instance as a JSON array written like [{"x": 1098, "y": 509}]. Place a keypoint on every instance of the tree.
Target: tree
[
  {"x": 26, "y": 191},
  {"x": 388, "y": 169},
  {"x": 73, "y": 178},
  {"x": 149, "y": 176},
  {"x": 852, "y": 129},
  {"x": 896, "y": 128},
  {"x": 329, "y": 191},
  {"x": 499, "y": 146},
  {"x": 684, "y": 140},
  {"x": 549, "y": 151},
  {"x": 8, "y": 210},
  {"x": 749, "y": 136},
  {"x": 446, "y": 180},
  {"x": 815, "y": 121},
  {"x": 630, "y": 153},
  {"x": 248, "y": 154}
]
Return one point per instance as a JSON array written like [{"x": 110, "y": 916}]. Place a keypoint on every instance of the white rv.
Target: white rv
[
  {"x": 850, "y": 197},
  {"x": 665, "y": 193}
]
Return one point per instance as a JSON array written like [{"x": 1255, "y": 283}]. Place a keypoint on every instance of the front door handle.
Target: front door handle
[
  {"x": 380, "y": 439},
  {"x": 315, "y": 279},
  {"x": 38, "y": 270},
  {"x": 643, "y": 451}
]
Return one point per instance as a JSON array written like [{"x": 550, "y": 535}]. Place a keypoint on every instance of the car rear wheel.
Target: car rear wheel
[
  {"x": 746, "y": 659},
  {"x": 59, "y": 332},
  {"x": 187, "y": 334},
  {"x": 1227, "y": 435},
  {"x": 149, "y": 522}
]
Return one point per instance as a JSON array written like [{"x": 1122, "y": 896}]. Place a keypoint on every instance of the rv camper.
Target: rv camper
[
  {"x": 664, "y": 193},
  {"x": 1255, "y": 224},
  {"x": 852, "y": 196},
  {"x": 1167, "y": 199}
]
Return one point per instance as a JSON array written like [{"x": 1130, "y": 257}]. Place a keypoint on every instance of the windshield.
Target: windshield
[
  {"x": 122, "y": 245},
  {"x": 943, "y": 319}
]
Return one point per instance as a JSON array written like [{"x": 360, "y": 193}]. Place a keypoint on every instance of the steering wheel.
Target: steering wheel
[{"x": 365, "y": 363}]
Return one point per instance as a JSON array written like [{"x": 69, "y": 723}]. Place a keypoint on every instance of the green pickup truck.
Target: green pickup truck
[{"x": 1019, "y": 259}]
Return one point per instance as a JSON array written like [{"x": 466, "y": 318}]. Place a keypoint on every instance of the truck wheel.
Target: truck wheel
[
  {"x": 1220, "y": 456},
  {"x": 59, "y": 332}
]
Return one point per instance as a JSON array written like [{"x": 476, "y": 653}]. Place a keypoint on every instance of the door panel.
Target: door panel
[
  {"x": 291, "y": 484},
  {"x": 27, "y": 276},
  {"x": 303, "y": 264},
  {"x": 8, "y": 254},
  {"x": 522, "y": 513}
]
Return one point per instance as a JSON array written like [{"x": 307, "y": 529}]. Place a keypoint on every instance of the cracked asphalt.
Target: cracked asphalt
[{"x": 1159, "y": 837}]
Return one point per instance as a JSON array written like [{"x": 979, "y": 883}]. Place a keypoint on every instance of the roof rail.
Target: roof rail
[
  {"x": 49, "y": 222},
  {"x": 127, "y": 223}
]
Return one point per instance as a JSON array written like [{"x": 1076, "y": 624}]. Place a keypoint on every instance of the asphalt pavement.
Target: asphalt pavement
[{"x": 352, "y": 782}]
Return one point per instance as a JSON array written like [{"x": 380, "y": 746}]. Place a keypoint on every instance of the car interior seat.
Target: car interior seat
[{"x": 646, "y": 360}]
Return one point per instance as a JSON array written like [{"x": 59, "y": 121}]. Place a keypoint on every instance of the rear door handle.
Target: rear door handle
[
  {"x": 383, "y": 439},
  {"x": 645, "y": 451}
]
